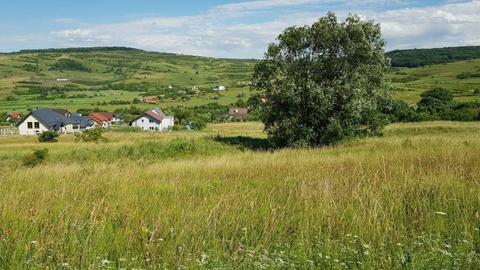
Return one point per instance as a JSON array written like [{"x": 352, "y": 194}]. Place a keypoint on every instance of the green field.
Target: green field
[
  {"x": 105, "y": 71},
  {"x": 409, "y": 83},
  {"x": 101, "y": 76},
  {"x": 214, "y": 200}
]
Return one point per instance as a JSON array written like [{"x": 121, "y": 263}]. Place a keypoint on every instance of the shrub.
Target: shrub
[
  {"x": 435, "y": 101},
  {"x": 91, "y": 135},
  {"x": 48, "y": 137},
  {"x": 35, "y": 158}
]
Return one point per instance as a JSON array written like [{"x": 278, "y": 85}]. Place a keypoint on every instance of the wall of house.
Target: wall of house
[
  {"x": 73, "y": 129},
  {"x": 147, "y": 123},
  {"x": 24, "y": 130},
  {"x": 167, "y": 122}
]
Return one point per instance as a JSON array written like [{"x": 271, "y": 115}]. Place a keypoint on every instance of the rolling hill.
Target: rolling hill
[
  {"x": 97, "y": 75},
  {"x": 112, "y": 77}
]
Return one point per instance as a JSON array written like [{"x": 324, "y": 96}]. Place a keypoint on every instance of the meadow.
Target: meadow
[{"x": 223, "y": 199}]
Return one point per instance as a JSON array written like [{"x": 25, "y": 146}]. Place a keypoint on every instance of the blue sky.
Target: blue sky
[{"x": 222, "y": 28}]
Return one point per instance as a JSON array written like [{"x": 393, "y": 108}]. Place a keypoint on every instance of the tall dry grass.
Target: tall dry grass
[{"x": 408, "y": 200}]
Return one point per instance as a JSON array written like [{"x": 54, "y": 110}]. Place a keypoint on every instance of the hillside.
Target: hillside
[
  {"x": 97, "y": 75},
  {"x": 425, "y": 57},
  {"x": 462, "y": 78},
  {"x": 112, "y": 77}
]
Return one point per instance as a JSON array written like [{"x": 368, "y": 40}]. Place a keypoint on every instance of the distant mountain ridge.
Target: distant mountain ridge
[
  {"x": 79, "y": 50},
  {"x": 425, "y": 57},
  {"x": 399, "y": 58}
]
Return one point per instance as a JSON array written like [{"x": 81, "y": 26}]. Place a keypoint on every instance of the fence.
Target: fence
[{"x": 6, "y": 131}]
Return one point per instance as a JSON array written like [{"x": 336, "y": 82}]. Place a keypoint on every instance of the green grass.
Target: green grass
[
  {"x": 110, "y": 68},
  {"x": 410, "y": 83},
  {"x": 407, "y": 200}
]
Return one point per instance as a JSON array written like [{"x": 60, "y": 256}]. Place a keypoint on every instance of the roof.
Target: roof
[
  {"x": 101, "y": 117},
  {"x": 14, "y": 115},
  {"x": 241, "y": 112},
  {"x": 63, "y": 112},
  {"x": 154, "y": 113},
  {"x": 150, "y": 99},
  {"x": 78, "y": 120},
  {"x": 49, "y": 118}
]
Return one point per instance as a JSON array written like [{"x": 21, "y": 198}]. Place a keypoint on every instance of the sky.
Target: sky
[{"x": 224, "y": 28}]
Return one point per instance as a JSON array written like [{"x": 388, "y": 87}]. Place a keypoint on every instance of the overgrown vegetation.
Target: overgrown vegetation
[
  {"x": 407, "y": 200},
  {"x": 48, "y": 136},
  {"x": 69, "y": 64},
  {"x": 35, "y": 158},
  {"x": 91, "y": 135}
]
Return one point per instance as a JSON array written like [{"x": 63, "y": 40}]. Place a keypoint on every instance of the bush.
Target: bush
[
  {"x": 48, "y": 137},
  {"x": 435, "y": 101},
  {"x": 34, "y": 159},
  {"x": 91, "y": 135}
]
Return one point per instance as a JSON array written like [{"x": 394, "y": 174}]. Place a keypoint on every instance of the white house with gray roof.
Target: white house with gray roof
[{"x": 42, "y": 120}]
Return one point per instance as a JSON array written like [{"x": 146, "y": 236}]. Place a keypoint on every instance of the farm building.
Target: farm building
[
  {"x": 238, "y": 112},
  {"x": 13, "y": 116},
  {"x": 153, "y": 120},
  {"x": 151, "y": 100},
  {"x": 61, "y": 121},
  {"x": 105, "y": 119}
]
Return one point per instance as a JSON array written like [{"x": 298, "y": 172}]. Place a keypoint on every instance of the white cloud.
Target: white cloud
[{"x": 215, "y": 33}]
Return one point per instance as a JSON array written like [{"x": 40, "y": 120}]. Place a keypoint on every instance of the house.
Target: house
[
  {"x": 238, "y": 112},
  {"x": 62, "y": 80},
  {"x": 105, "y": 119},
  {"x": 153, "y": 119},
  {"x": 58, "y": 120},
  {"x": 219, "y": 88},
  {"x": 13, "y": 116},
  {"x": 152, "y": 100},
  {"x": 76, "y": 123}
]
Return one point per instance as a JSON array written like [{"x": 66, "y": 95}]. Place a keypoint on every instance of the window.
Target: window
[
  {"x": 29, "y": 125},
  {"x": 37, "y": 125},
  {"x": 152, "y": 128}
]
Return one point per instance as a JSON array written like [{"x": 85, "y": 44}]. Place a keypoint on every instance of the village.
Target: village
[{"x": 63, "y": 121}]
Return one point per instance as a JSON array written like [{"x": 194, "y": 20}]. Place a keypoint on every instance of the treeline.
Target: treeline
[
  {"x": 435, "y": 104},
  {"x": 80, "y": 50},
  {"x": 425, "y": 57}
]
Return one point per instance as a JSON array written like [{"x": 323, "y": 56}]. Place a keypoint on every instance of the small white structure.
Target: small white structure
[
  {"x": 219, "y": 88},
  {"x": 62, "y": 80},
  {"x": 153, "y": 120}
]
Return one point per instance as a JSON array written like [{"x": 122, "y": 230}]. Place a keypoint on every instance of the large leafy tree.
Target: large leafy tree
[{"x": 320, "y": 83}]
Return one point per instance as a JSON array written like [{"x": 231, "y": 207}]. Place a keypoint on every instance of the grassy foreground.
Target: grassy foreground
[{"x": 409, "y": 199}]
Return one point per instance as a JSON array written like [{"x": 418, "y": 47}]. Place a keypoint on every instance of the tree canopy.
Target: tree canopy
[{"x": 321, "y": 83}]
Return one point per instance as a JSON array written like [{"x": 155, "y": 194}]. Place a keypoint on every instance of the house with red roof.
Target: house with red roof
[
  {"x": 14, "y": 116},
  {"x": 151, "y": 100},
  {"x": 104, "y": 119},
  {"x": 153, "y": 120}
]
